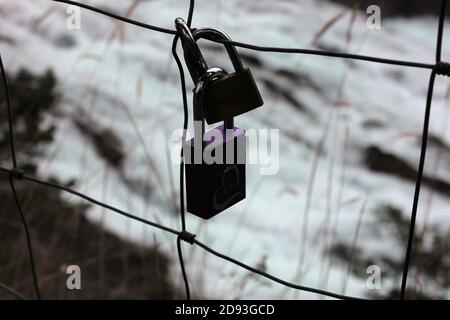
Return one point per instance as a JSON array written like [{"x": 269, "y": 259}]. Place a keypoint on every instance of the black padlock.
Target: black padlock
[
  {"x": 211, "y": 187},
  {"x": 233, "y": 94}
]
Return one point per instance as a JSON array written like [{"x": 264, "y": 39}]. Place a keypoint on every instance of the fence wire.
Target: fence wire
[{"x": 437, "y": 68}]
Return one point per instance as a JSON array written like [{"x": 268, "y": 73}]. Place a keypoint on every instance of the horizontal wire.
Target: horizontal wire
[
  {"x": 351, "y": 56},
  {"x": 249, "y": 46},
  {"x": 273, "y": 278},
  {"x": 118, "y": 17},
  {"x": 10, "y": 290},
  {"x": 178, "y": 233},
  {"x": 92, "y": 200}
]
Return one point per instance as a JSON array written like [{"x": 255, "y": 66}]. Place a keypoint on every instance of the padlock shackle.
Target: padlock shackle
[
  {"x": 199, "y": 95},
  {"x": 214, "y": 35},
  {"x": 198, "y": 68},
  {"x": 193, "y": 56}
]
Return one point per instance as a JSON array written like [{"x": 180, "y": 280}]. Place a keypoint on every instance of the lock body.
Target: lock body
[
  {"x": 216, "y": 180},
  {"x": 231, "y": 96}
]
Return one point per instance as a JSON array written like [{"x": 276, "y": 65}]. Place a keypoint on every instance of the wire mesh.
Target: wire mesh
[{"x": 437, "y": 68}]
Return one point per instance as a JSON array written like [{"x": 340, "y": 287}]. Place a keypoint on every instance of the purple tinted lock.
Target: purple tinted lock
[
  {"x": 209, "y": 136},
  {"x": 212, "y": 188}
]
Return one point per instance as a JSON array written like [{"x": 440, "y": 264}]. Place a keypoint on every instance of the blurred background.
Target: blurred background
[{"x": 95, "y": 109}]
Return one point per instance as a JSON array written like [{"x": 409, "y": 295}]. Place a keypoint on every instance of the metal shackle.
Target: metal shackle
[
  {"x": 195, "y": 62},
  {"x": 217, "y": 35},
  {"x": 197, "y": 65},
  {"x": 235, "y": 58},
  {"x": 199, "y": 92}
]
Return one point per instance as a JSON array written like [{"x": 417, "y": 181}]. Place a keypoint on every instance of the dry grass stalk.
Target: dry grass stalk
[
  {"x": 42, "y": 17},
  {"x": 327, "y": 26},
  {"x": 354, "y": 243},
  {"x": 308, "y": 200}
]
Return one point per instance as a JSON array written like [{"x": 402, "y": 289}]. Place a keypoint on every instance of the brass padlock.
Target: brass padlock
[{"x": 235, "y": 93}]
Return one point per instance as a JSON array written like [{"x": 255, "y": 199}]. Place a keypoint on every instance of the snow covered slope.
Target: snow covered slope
[{"x": 329, "y": 112}]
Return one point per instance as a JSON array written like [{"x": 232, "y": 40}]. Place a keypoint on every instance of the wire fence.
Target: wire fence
[{"x": 437, "y": 68}]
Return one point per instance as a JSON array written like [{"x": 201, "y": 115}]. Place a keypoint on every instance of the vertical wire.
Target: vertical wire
[
  {"x": 418, "y": 186},
  {"x": 185, "y": 125},
  {"x": 11, "y": 181},
  {"x": 185, "y": 111},
  {"x": 10, "y": 119},
  {"x": 441, "y": 30},
  {"x": 28, "y": 237},
  {"x": 183, "y": 140},
  {"x": 183, "y": 269},
  {"x": 423, "y": 152},
  {"x": 191, "y": 12}
]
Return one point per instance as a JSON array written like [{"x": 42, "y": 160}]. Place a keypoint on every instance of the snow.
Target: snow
[{"x": 100, "y": 77}]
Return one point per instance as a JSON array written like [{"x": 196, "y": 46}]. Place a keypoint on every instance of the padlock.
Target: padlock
[
  {"x": 233, "y": 94},
  {"x": 215, "y": 185}
]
